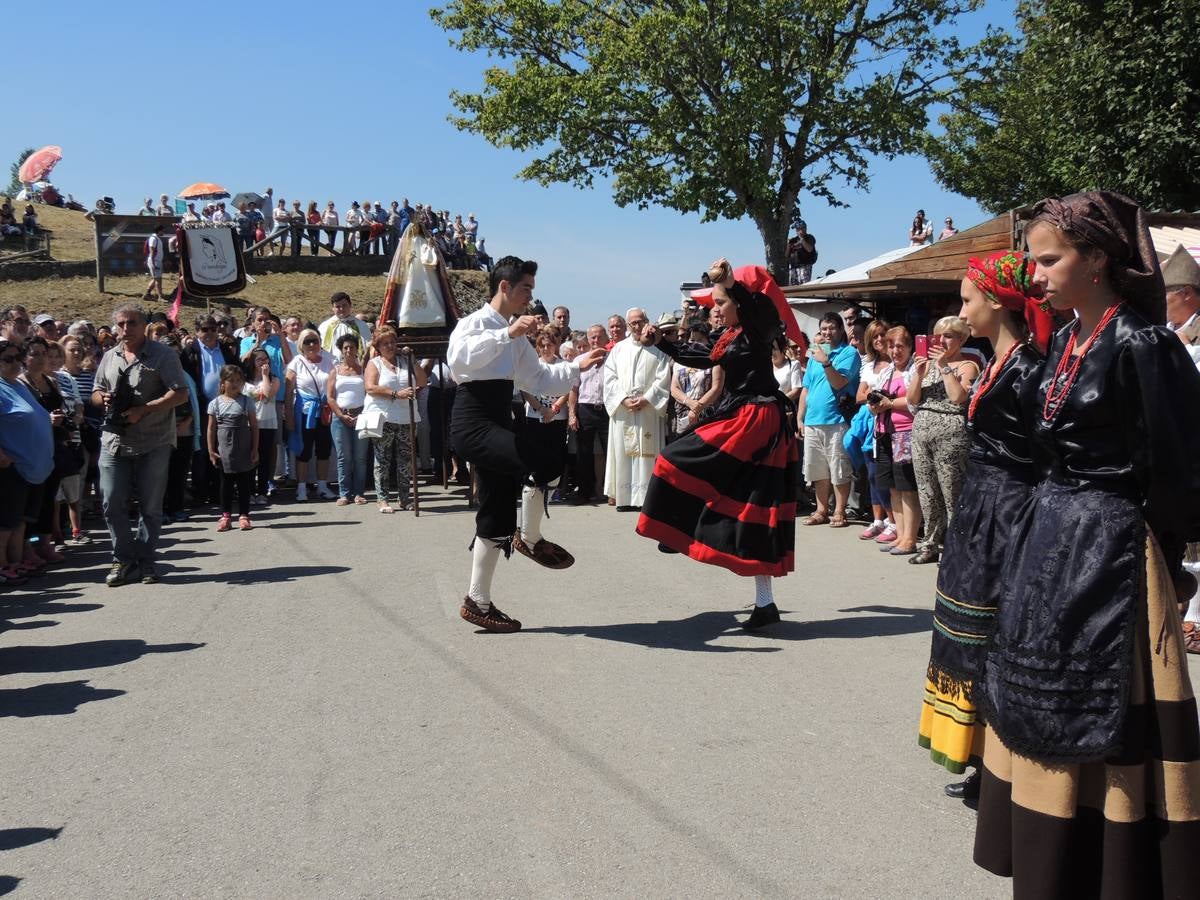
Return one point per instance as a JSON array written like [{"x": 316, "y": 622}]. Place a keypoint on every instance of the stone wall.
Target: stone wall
[{"x": 32, "y": 270}]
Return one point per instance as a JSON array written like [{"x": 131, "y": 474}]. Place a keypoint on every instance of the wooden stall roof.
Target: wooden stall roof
[{"x": 936, "y": 269}]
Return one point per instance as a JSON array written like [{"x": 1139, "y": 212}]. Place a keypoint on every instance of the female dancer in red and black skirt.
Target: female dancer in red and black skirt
[
  {"x": 724, "y": 493},
  {"x": 1091, "y": 751},
  {"x": 999, "y": 303}
]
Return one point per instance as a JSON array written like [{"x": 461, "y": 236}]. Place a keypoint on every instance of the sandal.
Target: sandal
[
  {"x": 925, "y": 557},
  {"x": 544, "y": 553},
  {"x": 492, "y": 620},
  {"x": 838, "y": 521},
  {"x": 1191, "y": 637},
  {"x": 386, "y": 509},
  {"x": 816, "y": 519}
]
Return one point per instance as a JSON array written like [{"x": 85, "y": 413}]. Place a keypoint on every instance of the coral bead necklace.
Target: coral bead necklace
[
  {"x": 1068, "y": 366},
  {"x": 993, "y": 372}
]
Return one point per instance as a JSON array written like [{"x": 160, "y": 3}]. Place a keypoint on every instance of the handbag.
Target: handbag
[
  {"x": 370, "y": 423},
  {"x": 326, "y": 413}
]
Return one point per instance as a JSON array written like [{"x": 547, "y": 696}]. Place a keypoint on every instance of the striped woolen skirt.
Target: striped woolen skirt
[
  {"x": 725, "y": 492},
  {"x": 1128, "y": 827},
  {"x": 971, "y": 581}
]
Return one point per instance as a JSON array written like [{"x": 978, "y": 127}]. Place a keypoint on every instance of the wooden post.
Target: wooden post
[
  {"x": 412, "y": 424},
  {"x": 99, "y": 260}
]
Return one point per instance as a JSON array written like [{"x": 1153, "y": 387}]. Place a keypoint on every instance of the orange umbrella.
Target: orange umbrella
[
  {"x": 203, "y": 190},
  {"x": 38, "y": 165}
]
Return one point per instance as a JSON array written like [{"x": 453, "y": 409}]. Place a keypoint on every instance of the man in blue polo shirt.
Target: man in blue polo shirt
[
  {"x": 832, "y": 370},
  {"x": 263, "y": 335}
]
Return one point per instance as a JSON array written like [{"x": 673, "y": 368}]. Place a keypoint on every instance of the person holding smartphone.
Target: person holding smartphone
[
  {"x": 832, "y": 370},
  {"x": 938, "y": 393}
]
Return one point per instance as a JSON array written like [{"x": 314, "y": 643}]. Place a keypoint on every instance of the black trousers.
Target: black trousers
[
  {"x": 442, "y": 452},
  {"x": 177, "y": 474},
  {"x": 206, "y": 478},
  {"x": 265, "y": 470},
  {"x": 593, "y": 430},
  {"x": 241, "y": 483},
  {"x": 504, "y": 459}
]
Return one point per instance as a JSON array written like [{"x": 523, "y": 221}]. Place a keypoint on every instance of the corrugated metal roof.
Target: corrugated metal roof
[
  {"x": 858, "y": 271},
  {"x": 1167, "y": 238}
]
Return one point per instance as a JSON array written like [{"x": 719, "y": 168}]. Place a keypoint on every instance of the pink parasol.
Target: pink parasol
[{"x": 38, "y": 164}]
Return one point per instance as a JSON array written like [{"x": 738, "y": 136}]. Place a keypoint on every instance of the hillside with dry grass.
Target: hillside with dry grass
[{"x": 296, "y": 293}]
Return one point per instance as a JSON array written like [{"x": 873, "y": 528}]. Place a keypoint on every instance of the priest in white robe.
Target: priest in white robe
[{"x": 637, "y": 388}]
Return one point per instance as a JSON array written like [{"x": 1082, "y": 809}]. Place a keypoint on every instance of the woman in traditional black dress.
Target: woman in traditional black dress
[
  {"x": 1000, "y": 304},
  {"x": 1091, "y": 751},
  {"x": 724, "y": 493}
]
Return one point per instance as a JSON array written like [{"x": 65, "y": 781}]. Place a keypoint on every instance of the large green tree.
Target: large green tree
[
  {"x": 728, "y": 108},
  {"x": 14, "y": 182},
  {"x": 1098, "y": 94}
]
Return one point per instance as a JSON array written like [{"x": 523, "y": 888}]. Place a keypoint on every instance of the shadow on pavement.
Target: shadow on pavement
[
  {"x": 5, "y": 625},
  {"x": 696, "y": 632},
  {"x": 322, "y": 524},
  {"x": 50, "y": 700},
  {"x": 12, "y": 838},
  {"x": 84, "y": 655},
  {"x": 279, "y": 574},
  {"x": 692, "y": 633},
  {"x": 23, "y": 611},
  {"x": 8, "y": 884}
]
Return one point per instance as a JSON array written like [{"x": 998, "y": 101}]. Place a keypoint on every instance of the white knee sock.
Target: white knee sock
[
  {"x": 484, "y": 557},
  {"x": 763, "y": 595},
  {"x": 532, "y": 510}
]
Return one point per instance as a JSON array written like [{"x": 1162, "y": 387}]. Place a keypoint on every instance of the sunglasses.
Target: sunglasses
[{"x": 311, "y": 341}]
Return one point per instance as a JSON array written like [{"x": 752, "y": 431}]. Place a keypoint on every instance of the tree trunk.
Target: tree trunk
[{"x": 775, "y": 237}]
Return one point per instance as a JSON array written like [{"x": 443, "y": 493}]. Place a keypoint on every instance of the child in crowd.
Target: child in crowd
[
  {"x": 233, "y": 445},
  {"x": 263, "y": 391}
]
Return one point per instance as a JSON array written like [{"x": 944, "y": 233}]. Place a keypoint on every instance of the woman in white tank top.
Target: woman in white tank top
[
  {"x": 346, "y": 391},
  {"x": 389, "y": 390}
]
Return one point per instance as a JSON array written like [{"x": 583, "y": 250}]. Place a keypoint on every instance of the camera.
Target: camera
[{"x": 877, "y": 397}]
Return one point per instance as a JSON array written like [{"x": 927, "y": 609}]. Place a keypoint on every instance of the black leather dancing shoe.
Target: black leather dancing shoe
[
  {"x": 965, "y": 790},
  {"x": 762, "y": 615}
]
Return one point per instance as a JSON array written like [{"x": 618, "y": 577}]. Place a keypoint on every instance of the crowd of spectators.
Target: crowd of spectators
[
  {"x": 230, "y": 417},
  {"x": 365, "y": 228}
]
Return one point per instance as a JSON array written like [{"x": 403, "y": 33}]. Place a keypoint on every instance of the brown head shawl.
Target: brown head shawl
[{"x": 1116, "y": 225}]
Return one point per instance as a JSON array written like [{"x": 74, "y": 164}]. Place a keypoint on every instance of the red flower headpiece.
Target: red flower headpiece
[{"x": 1007, "y": 278}]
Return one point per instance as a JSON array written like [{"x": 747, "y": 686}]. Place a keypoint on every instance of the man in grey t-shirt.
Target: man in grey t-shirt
[{"x": 138, "y": 383}]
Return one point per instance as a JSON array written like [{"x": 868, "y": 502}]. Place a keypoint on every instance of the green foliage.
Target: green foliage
[
  {"x": 14, "y": 183},
  {"x": 726, "y": 108},
  {"x": 1101, "y": 94}
]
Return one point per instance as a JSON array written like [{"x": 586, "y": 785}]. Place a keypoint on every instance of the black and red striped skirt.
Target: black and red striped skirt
[{"x": 725, "y": 492}]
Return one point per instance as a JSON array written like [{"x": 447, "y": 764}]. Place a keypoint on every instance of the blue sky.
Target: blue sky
[{"x": 336, "y": 101}]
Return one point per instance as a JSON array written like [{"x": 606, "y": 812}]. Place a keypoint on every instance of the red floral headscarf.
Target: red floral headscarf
[{"x": 1007, "y": 278}]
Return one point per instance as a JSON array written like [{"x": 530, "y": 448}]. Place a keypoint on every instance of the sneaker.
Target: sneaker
[
  {"x": 258, "y": 500},
  {"x": 245, "y": 524},
  {"x": 78, "y": 539},
  {"x": 301, "y": 492},
  {"x": 871, "y": 531},
  {"x": 121, "y": 573},
  {"x": 149, "y": 573},
  {"x": 887, "y": 536},
  {"x": 492, "y": 620},
  {"x": 324, "y": 492},
  {"x": 225, "y": 524}
]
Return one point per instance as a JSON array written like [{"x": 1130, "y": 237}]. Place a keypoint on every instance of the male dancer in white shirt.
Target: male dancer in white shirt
[{"x": 487, "y": 355}]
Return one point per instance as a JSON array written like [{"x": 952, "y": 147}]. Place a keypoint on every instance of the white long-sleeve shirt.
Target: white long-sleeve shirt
[{"x": 482, "y": 350}]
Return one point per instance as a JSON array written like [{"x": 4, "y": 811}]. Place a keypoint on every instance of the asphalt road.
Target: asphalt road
[{"x": 299, "y": 712}]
